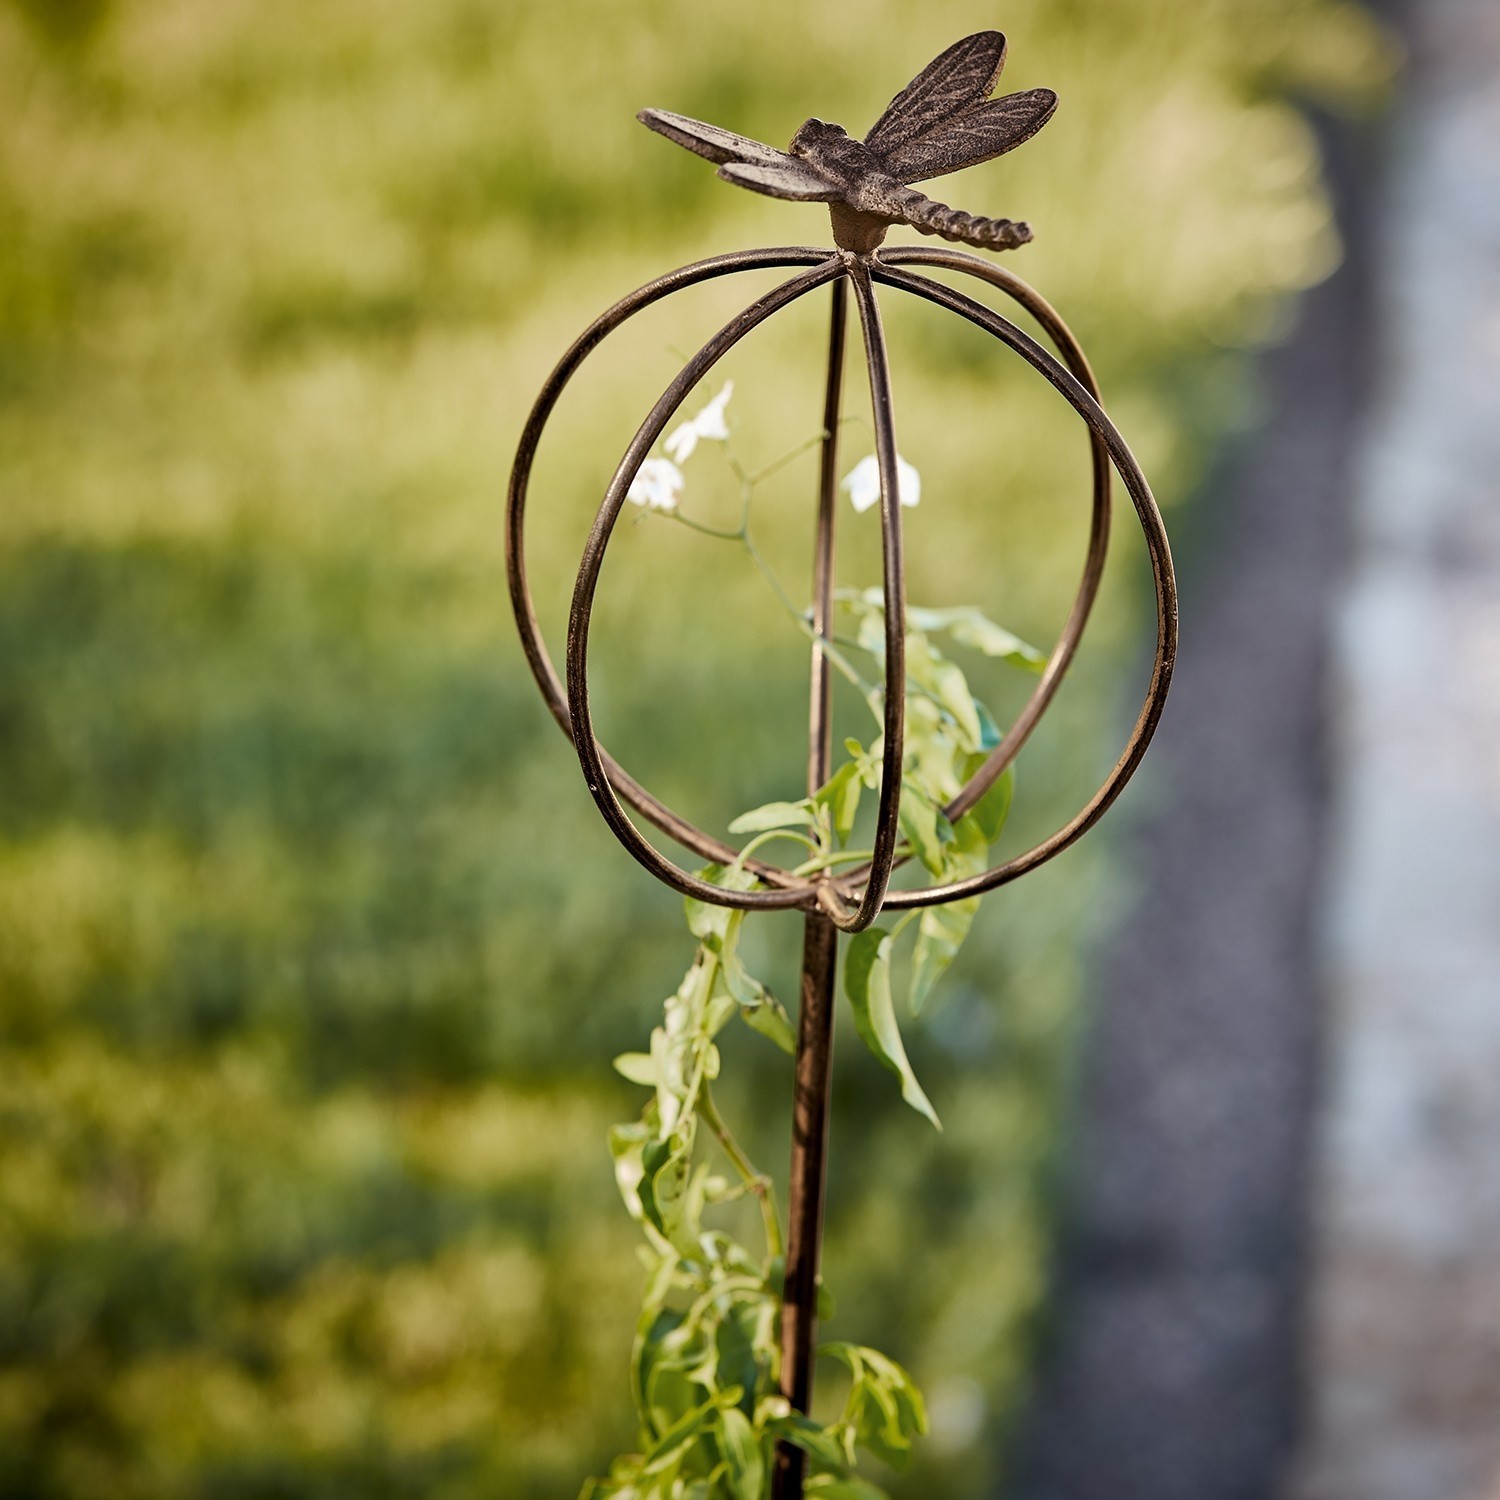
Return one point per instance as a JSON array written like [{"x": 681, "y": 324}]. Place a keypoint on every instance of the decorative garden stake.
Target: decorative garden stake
[{"x": 713, "y": 1424}]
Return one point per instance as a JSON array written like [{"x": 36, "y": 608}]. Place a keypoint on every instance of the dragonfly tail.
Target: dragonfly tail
[{"x": 928, "y": 216}]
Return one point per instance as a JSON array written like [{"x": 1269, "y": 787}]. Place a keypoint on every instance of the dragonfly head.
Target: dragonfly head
[
  {"x": 848, "y": 162},
  {"x": 814, "y": 133}
]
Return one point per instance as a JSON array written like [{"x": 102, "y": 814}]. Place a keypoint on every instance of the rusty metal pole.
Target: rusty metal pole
[{"x": 814, "y": 1065}]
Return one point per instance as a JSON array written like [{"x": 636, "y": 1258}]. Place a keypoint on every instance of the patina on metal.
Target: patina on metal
[{"x": 942, "y": 121}]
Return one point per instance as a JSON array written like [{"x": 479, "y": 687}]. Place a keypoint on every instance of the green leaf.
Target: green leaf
[
  {"x": 884, "y": 1372},
  {"x": 760, "y": 1009},
  {"x": 940, "y": 933},
  {"x": 769, "y": 1018},
  {"x": 840, "y": 795},
  {"x": 737, "y": 1362},
  {"x": 626, "y": 1145},
  {"x": 701, "y": 1188},
  {"x": 992, "y": 809},
  {"x": 650, "y": 1356},
  {"x": 823, "y": 1448},
  {"x": 924, "y": 824},
  {"x": 775, "y": 815},
  {"x": 742, "y": 1452},
  {"x": 623, "y": 1482},
  {"x": 884, "y": 1405},
  {"x": 706, "y": 920},
  {"x": 841, "y": 1487},
  {"x": 989, "y": 730},
  {"x": 947, "y": 684},
  {"x": 664, "y": 1457},
  {"x": 638, "y": 1067},
  {"x": 664, "y": 1183},
  {"x": 868, "y": 608},
  {"x": 814, "y": 1440},
  {"x": 742, "y": 986},
  {"x": 969, "y": 627},
  {"x": 867, "y": 982}
]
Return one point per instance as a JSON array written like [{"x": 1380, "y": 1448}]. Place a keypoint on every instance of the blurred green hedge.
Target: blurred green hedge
[{"x": 313, "y": 953}]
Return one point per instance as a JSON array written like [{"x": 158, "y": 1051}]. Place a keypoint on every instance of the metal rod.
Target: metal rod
[
  {"x": 819, "y": 728},
  {"x": 799, "y": 1311},
  {"x": 893, "y": 577},
  {"x": 814, "y": 1066}
]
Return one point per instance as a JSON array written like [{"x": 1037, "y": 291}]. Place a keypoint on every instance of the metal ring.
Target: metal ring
[
  {"x": 893, "y": 576},
  {"x": 1099, "y": 516},
  {"x": 1066, "y": 647},
  {"x": 607, "y": 779},
  {"x": 537, "y": 657},
  {"x": 1158, "y": 550},
  {"x": 590, "y": 754}
]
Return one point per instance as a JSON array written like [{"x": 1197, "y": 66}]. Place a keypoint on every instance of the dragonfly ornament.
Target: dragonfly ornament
[{"x": 942, "y": 121}]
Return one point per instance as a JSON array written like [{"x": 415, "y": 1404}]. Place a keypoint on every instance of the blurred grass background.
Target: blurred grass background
[{"x": 313, "y": 952}]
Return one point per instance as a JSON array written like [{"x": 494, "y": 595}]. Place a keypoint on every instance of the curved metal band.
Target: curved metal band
[
  {"x": 1158, "y": 550},
  {"x": 893, "y": 569},
  {"x": 1099, "y": 515},
  {"x": 802, "y": 893},
  {"x": 542, "y": 669},
  {"x": 1066, "y": 648},
  {"x": 608, "y": 778}
]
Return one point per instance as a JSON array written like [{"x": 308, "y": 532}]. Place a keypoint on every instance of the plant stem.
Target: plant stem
[
  {"x": 777, "y": 464},
  {"x": 828, "y": 861},
  {"x": 713, "y": 531},
  {"x": 867, "y": 690},
  {"x": 904, "y": 921},
  {"x": 757, "y": 1182},
  {"x": 772, "y": 834}
]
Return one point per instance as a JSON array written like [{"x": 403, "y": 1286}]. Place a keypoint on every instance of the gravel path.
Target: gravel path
[{"x": 1406, "y": 1294}]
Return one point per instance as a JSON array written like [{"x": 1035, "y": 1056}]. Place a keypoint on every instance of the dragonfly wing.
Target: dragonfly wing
[
  {"x": 977, "y": 134},
  {"x": 712, "y": 141},
  {"x": 784, "y": 179},
  {"x": 962, "y": 76}
]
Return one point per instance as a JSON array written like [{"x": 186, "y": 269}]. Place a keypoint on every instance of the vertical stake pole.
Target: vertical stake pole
[{"x": 814, "y": 1065}]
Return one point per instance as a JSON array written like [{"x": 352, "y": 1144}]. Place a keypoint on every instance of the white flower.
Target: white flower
[
  {"x": 863, "y": 483},
  {"x": 657, "y": 485},
  {"x": 709, "y": 423}
]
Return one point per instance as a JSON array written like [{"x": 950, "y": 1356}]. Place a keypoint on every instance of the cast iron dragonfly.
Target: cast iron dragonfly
[{"x": 942, "y": 121}]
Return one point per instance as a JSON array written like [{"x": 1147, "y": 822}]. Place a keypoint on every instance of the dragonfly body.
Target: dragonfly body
[
  {"x": 874, "y": 198},
  {"x": 942, "y": 121}
]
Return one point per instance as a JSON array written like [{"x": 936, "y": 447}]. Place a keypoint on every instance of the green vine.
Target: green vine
[{"x": 705, "y": 1365}]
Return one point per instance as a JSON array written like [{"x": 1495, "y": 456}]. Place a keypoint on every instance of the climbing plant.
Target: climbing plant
[{"x": 705, "y": 1367}]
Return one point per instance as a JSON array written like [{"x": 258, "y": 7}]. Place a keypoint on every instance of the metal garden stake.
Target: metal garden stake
[{"x": 942, "y": 121}]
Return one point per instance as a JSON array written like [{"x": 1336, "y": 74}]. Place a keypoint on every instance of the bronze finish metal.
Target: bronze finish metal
[
  {"x": 811, "y": 1079},
  {"x": 814, "y": 1064},
  {"x": 610, "y": 783},
  {"x": 942, "y": 121}
]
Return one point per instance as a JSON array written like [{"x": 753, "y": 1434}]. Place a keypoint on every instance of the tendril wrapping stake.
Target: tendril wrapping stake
[{"x": 942, "y": 121}]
